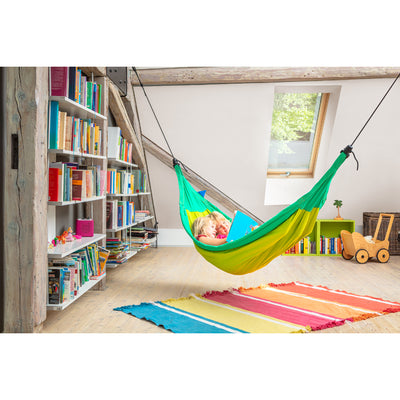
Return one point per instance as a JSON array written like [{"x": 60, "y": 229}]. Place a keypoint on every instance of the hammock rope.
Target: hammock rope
[{"x": 273, "y": 237}]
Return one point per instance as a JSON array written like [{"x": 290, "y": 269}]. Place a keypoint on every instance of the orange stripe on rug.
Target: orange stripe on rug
[
  {"x": 318, "y": 305},
  {"x": 340, "y": 296}
]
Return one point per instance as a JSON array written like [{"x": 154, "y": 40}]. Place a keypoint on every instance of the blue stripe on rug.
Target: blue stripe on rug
[{"x": 176, "y": 320}]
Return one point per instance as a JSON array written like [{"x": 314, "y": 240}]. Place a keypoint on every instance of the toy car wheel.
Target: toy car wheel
[
  {"x": 383, "y": 255},
  {"x": 346, "y": 256},
  {"x": 362, "y": 256}
]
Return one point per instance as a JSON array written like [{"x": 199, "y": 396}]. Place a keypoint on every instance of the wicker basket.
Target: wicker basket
[{"x": 370, "y": 220}]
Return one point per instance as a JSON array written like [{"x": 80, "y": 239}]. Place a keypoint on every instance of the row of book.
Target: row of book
[
  {"x": 70, "y": 181},
  {"x": 330, "y": 245},
  {"x": 72, "y": 83},
  {"x": 119, "y": 213},
  {"x": 326, "y": 246},
  {"x": 304, "y": 246},
  {"x": 118, "y": 250},
  {"x": 120, "y": 181},
  {"x": 117, "y": 146},
  {"x": 67, "y": 132},
  {"x": 66, "y": 276}
]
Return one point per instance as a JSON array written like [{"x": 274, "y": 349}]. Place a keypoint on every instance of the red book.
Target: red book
[
  {"x": 108, "y": 181},
  {"x": 77, "y": 177},
  {"x": 53, "y": 184},
  {"x": 59, "y": 81}
]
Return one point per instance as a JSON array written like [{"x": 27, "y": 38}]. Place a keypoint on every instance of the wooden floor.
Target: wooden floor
[{"x": 172, "y": 272}]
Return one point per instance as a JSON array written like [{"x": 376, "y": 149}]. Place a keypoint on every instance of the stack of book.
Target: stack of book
[
  {"x": 139, "y": 238},
  {"x": 118, "y": 251},
  {"x": 69, "y": 181},
  {"x": 72, "y": 83},
  {"x": 141, "y": 215}
]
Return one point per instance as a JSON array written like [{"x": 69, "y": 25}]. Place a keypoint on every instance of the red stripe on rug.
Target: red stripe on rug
[
  {"x": 283, "y": 312},
  {"x": 340, "y": 296}
]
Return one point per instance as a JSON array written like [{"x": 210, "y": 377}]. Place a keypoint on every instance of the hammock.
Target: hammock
[{"x": 271, "y": 239}]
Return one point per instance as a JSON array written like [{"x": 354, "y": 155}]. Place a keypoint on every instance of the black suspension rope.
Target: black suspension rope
[
  {"x": 155, "y": 116},
  {"x": 383, "y": 98}
]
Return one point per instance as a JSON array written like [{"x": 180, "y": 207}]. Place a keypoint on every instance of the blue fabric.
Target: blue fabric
[{"x": 176, "y": 320}]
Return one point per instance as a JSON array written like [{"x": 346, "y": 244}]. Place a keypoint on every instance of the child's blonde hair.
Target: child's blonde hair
[
  {"x": 199, "y": 224},
  {"x": 217, "y": 217}
]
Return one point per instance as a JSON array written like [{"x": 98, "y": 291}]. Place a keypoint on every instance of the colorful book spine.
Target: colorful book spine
[
  {"x": 59, "y": 81},
  {"x": 53, "y": 124}
]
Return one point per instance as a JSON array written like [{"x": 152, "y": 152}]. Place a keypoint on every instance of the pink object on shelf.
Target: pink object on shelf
[{"x": 84, "y": 227}]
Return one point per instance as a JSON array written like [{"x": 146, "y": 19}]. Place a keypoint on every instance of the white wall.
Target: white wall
[{"x": 221, "y": 132}]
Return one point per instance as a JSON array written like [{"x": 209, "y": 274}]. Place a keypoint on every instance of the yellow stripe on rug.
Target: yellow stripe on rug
[{"x": 234, "y": 317}]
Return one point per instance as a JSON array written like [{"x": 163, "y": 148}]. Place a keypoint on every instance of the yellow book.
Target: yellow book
[{"x": 96, "y": 140}]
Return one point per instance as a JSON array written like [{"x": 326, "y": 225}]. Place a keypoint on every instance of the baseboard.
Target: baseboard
[{"x": 173, "y": 238}]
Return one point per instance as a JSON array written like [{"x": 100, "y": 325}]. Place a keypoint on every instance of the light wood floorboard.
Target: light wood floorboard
[{"x": 173, "y": 272}]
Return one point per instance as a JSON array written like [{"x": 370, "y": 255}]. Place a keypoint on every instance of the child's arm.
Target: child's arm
[{"x": 211, "y": 241}]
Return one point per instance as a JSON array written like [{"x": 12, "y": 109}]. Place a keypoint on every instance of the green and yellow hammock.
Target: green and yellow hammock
[{"x": 271, "y": 239}]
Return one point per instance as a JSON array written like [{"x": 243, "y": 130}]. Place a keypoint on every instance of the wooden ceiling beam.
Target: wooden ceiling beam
[{"x": 221, "y": 75}]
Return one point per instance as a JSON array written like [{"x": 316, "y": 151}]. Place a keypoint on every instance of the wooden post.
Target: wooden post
[{"x": 25, "y": 226}]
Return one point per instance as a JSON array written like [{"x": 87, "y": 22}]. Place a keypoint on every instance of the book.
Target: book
[
  {"x": 53, "y": 124},
  {"x": 114, "y": 140},
  {"x": 72, "y": 87},
  {"x": 109, "y": 215},
  {"x": 60, "y": 167},
  {"x": 54, "y": 184},
  {"x": 102, "y": 181},
  {"x": 241, "y": 225},
  {"x": 62, "y": 130},
  {"x": 59, "y": 81},
  {"x": 55, "y": 276},
  {"x": 77, "y": 184},
  {"x": 103, "y": 257}
]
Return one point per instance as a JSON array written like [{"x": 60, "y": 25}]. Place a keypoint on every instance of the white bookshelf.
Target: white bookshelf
[
  {"x": 121, "y": 163},
  {"x": 75, "y": 154},
  {"x": 128, "y": 195},
  {"x": 121, "y": 228},
  {"x": 122, "y": 195},
  {"x": 82, "y": 290},
  {"x": 144, "y": 219},
  {"x": 63, "y": 250},
  {"x": 67, "y": 203},
  {"x": 72, "y": 107}
]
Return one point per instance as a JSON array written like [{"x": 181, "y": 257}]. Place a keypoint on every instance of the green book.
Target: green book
[
  {"x": 89, "y": 94},
  {"x": 99, "y": 98}
]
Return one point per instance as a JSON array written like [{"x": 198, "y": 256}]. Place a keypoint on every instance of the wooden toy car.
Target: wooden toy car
[{"x": 356, "y": 245}]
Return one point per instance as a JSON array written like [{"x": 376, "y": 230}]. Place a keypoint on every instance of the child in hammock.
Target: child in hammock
[
  {"x": 204, "y": 229},
  {"x": 221, "y": 223}
]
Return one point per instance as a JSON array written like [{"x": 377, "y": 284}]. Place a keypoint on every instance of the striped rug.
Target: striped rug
[{"x": 273, "y": 308}]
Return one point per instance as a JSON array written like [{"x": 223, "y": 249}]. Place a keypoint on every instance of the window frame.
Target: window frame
[{"x": 306, "y": 173}]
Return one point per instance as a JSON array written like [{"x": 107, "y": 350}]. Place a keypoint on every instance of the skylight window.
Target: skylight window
[{"x": 297, "y": 124}]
